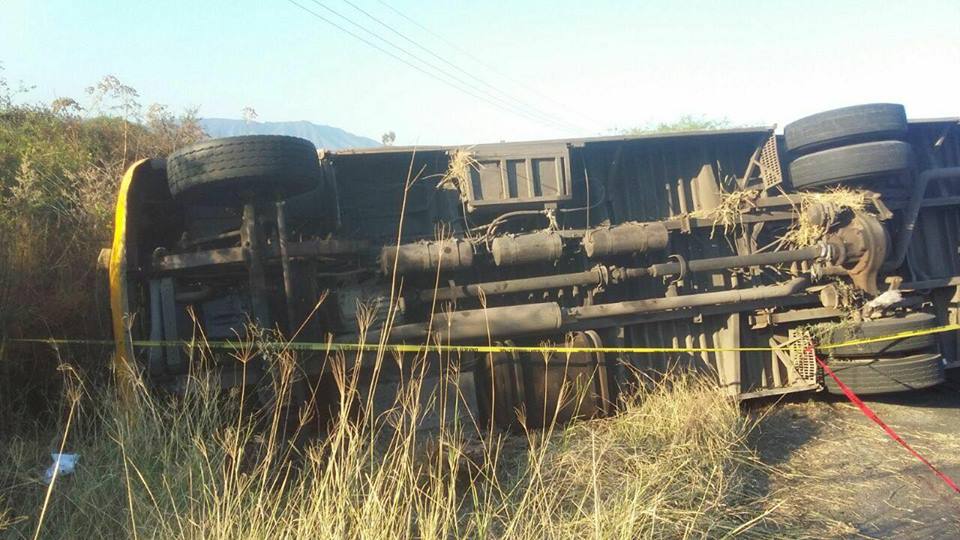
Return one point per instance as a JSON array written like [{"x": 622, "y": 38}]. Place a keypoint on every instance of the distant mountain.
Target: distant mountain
[{"x": 322, "y": 136}]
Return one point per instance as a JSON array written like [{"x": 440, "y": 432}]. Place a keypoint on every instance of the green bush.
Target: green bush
[{"x": 60, "y": 166}]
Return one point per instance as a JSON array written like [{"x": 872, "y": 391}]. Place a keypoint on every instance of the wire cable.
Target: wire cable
[
  {"x": 498, "y": 103},
  {"x": 453, "y": 65},
  {"x": 493, "y": 69},
  {"x": 533, "y": 115}
]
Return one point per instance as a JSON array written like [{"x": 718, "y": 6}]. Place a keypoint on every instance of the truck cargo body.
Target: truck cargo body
[{"x": 672, "y": 240}]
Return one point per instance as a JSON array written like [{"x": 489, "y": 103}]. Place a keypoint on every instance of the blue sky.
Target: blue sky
[{"x": 596, "y": 65}]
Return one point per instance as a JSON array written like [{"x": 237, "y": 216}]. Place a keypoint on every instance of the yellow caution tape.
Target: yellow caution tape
[{"x": 361, "y": 347}]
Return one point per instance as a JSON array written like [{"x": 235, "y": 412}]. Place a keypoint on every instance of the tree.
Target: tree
[
  {"x": 687, "y": 122},
  {"x": 388, "y": 138}
]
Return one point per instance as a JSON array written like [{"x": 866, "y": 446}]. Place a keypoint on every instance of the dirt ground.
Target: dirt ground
[{"x": 853, "y": 473}]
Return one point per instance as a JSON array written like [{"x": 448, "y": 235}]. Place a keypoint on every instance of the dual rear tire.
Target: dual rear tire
[
  {"x": 897, "y": 365},
  {"x": 863, "y": 143},
  {"x": 866, "y": 376}
]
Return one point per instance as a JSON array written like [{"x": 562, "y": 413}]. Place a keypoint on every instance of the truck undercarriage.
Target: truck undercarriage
[{"x": 735, "y": 250}]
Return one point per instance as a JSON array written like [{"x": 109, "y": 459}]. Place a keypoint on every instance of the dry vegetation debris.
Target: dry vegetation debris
[
  {"x": 806, "y": 232},
  {"x": 676, "y": 463}
]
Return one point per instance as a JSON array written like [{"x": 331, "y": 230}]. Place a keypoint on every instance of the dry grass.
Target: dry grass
[
  {"x": 836, "y": 201},
  {"x": 458, "y": 172},
  {"x": 59, "y": 172},
  {"x": 850, "y": 300},
  {"x": 729, "y": 213},
  {"x": 675, "y": 463}
]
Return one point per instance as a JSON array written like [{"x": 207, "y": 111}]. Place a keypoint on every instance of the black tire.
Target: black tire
[
  {"x": 883, "y": 375},
  {"x": 851, "y": 163},
  {"x": 884, "y": 327},
  {"x": 221, "y": 170},
  {"x": 841, "y": 127}
]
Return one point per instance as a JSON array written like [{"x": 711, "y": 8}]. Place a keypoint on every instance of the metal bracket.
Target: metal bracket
[
  {"x": 168, "y": 307},
  {"x": 769, "y": 163},
  {"x": 796, "y": 353},
  {"x": 684, "y": 268},
  {"x": 251, "y": 240}
]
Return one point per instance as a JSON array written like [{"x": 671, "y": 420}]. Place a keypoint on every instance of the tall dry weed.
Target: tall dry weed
[{"x": 674, "y": 463}]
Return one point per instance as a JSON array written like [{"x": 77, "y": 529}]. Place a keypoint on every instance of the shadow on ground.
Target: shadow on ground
[{"x": 841, "y": 466}]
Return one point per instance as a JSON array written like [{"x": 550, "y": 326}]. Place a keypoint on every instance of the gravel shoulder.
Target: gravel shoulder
[{"x": 849, "y": 470}]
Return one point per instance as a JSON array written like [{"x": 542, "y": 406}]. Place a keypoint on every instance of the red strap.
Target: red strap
[{"x": 893, "y": 434}]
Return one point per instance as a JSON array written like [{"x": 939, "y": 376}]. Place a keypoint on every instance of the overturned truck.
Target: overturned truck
[{"x": 729, "y": 251}]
